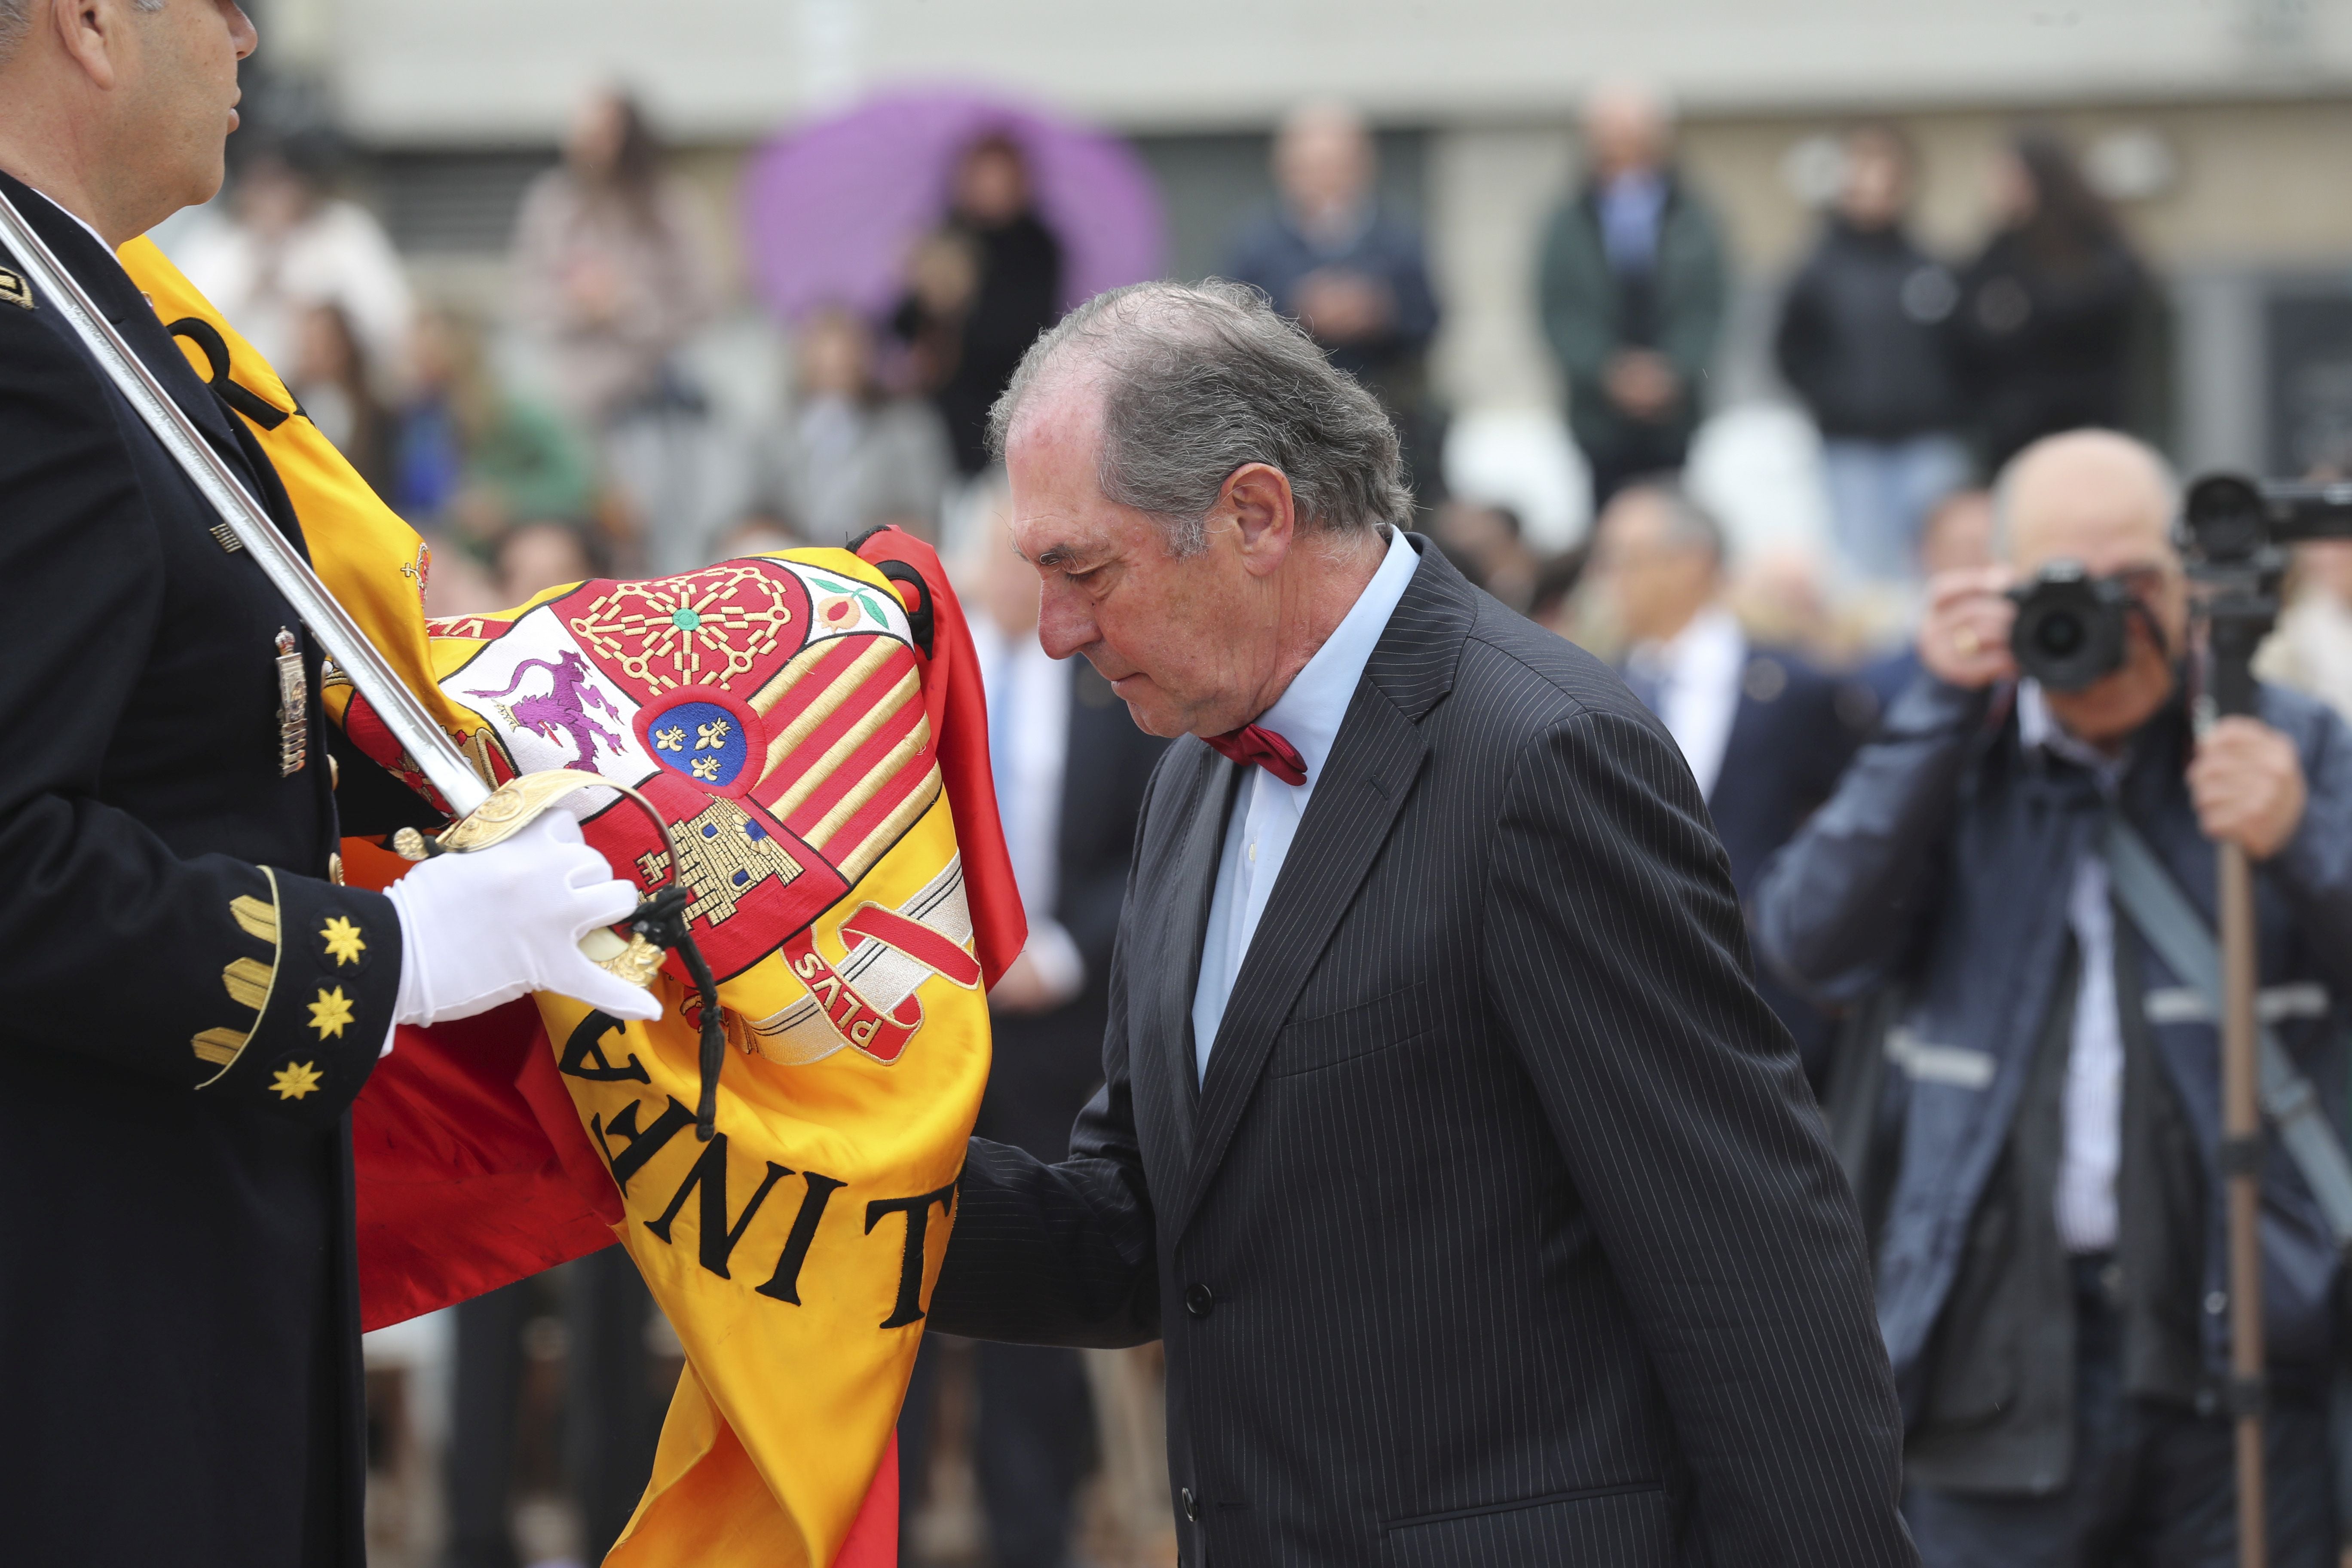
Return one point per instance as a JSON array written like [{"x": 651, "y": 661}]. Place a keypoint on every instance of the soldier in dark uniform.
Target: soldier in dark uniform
[{"x": 192, "y": 1001}]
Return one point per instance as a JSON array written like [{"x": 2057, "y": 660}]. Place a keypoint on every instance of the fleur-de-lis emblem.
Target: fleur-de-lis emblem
[
  {"x": 711, "y": 736},
  {"x": 672, "y": 739},
  {"x": 706, "y": 769}
]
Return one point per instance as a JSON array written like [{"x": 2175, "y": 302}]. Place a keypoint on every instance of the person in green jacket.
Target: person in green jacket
[
  {"x": 1631, "y": 290},
  {"x": 475, "y": 461}
]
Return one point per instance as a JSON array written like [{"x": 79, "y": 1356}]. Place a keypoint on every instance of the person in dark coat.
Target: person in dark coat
[
  {"x": 1443, "y": 1139},
  {"x": 2042, "y": 335},
  {"x": 1631, "y": 288},
  {"x": 194, "y": 997},
  {"x": 2052, "y": 1279},
  {"x": 1354, "y": 274},
  {"x": 1003, "y": 270},
  {"x": 1765, "y": 733},
  {"x": 1861, "y": 341}
]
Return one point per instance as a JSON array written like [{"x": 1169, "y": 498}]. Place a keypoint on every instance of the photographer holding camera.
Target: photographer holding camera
[{"x": 2051, "y": 1253}]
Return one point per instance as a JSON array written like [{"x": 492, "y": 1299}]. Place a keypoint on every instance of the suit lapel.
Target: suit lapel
[
  {"x": 1739, "y": 741},
  {"x": 1371, "y": 769}
]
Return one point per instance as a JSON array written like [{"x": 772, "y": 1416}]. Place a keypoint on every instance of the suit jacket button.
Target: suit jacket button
[
  {"x": 1199, "y": 1300},
  {"x": 1191, "y": 1504}
]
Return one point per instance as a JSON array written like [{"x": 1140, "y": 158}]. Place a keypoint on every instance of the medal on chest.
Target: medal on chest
[{"x": 293, "y": 706}]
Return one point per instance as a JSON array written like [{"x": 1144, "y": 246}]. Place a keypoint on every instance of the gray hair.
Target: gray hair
[
  {"x": 17, "y": 20},
  {"x": 1200, "y": 379},
  {"x": 1689, "y": 524}
]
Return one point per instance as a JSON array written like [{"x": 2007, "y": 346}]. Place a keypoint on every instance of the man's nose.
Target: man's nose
[{"x": 1064, "y": 625}]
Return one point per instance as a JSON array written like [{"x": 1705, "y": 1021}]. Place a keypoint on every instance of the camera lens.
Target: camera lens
[
  {"x": 2059, "y": 634},
  {"x": 2070, "y": 626}
]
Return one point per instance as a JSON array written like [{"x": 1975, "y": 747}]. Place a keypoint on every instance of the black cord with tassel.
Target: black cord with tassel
[{"x": 661, "y": 920}]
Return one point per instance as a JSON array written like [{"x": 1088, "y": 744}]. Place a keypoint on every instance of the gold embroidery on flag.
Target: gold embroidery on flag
[
  {"x": 826, "y": 703},
  {"x": 885, "y": 773},
  {"x": 910, "y": 687},
  {"x": 723, "y": 861},
  {"x": 706, "y": 628},
  {"x": 877, "y": 844}
]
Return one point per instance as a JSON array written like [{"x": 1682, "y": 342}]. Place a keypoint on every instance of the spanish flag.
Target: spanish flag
[{"x": 810, "y": 725}]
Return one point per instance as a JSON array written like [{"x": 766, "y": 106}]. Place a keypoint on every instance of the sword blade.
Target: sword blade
[{"x": 436, "y": 755}]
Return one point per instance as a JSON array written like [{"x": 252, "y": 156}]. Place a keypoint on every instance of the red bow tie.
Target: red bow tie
[{"x": 1256, "y": 743}]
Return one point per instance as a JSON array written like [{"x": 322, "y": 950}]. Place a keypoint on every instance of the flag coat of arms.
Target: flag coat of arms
[{"x": 810, "y": 725}]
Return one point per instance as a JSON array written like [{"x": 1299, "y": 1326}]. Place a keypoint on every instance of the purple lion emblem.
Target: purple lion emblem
[{"x": 563, "y": 711}]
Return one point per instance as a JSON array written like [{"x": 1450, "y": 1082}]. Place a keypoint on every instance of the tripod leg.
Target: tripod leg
[{"x": 2242, "y": 1139}]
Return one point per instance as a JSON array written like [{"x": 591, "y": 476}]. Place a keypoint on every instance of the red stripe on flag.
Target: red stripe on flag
[
  {"x": 854, "y": 771},
  {"x": 812, "y": 680},
  {"x": 916, "y": 940}
]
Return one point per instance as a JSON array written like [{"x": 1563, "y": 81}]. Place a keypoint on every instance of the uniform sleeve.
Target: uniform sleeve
[
  {"x": 235, "y": 981},
  {"x": 1617, "y": 962}
]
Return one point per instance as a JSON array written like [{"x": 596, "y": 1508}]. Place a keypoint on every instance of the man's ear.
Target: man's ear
[
  {"x": 1257, "y": 496},
  {"x": 92, "y": 33}
]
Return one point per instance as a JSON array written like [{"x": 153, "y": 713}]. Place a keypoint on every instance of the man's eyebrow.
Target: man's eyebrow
[{"x": 1056, "y": 557}]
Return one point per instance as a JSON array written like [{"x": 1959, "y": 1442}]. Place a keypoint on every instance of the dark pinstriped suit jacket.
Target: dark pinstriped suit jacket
[{"x": 1503, "y": 1229}]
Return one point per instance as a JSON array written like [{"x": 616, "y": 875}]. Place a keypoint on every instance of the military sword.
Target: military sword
[
  {"x": 436, "y": 755},
  {"x": 484, "y": 815}
]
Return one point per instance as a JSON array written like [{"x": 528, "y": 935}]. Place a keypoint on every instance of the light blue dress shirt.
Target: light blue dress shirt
[{"x": 1266, "y": 816}]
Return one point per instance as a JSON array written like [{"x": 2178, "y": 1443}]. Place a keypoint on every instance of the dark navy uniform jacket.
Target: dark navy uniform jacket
[{"x": 188, "y": 1005}]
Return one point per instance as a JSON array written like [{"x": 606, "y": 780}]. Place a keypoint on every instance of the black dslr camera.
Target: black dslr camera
[
  {"x": 2233, "y": 528},
  {"x": 2071, "y": 628}
]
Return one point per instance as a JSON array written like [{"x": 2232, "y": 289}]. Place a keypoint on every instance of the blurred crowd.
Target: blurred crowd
[{"x": 566, "y": 436}]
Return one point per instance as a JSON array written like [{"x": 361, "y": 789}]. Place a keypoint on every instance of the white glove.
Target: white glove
[{"x": 479, "y": 929}]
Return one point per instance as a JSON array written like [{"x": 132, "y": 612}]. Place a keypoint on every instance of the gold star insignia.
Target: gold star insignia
[
  {"x": 344, "y": 943},
  {"x": 331, "y": 1012},
  {"x": 296, "y": 1079}
]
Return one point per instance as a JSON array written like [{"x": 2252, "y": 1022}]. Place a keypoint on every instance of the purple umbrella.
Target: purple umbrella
[{"x": 830, "y": 210}]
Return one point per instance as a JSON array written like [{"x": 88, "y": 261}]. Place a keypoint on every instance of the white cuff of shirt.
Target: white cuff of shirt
[{"x": 1059, "y": 964}]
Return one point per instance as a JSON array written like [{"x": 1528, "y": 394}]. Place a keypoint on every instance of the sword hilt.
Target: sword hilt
[
  {"x": 658, "y": 924},
  {"x": 515, "y": 805}
]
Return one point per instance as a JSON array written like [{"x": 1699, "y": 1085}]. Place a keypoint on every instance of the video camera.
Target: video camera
[{"x": 2071, "y": 627}]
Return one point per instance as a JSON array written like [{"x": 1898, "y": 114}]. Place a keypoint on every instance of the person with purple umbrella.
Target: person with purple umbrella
[{"x": 968, "y": 339}]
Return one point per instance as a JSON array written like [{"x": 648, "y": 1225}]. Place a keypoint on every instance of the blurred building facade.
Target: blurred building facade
[{"x": 2220, "y": 126}]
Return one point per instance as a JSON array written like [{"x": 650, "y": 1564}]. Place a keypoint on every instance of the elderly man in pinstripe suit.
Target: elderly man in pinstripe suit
[{"x": 1445, "y": 1138}]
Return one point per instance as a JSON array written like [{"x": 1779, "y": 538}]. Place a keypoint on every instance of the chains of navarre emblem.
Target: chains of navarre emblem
[{"x": 708, "y": 630}]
